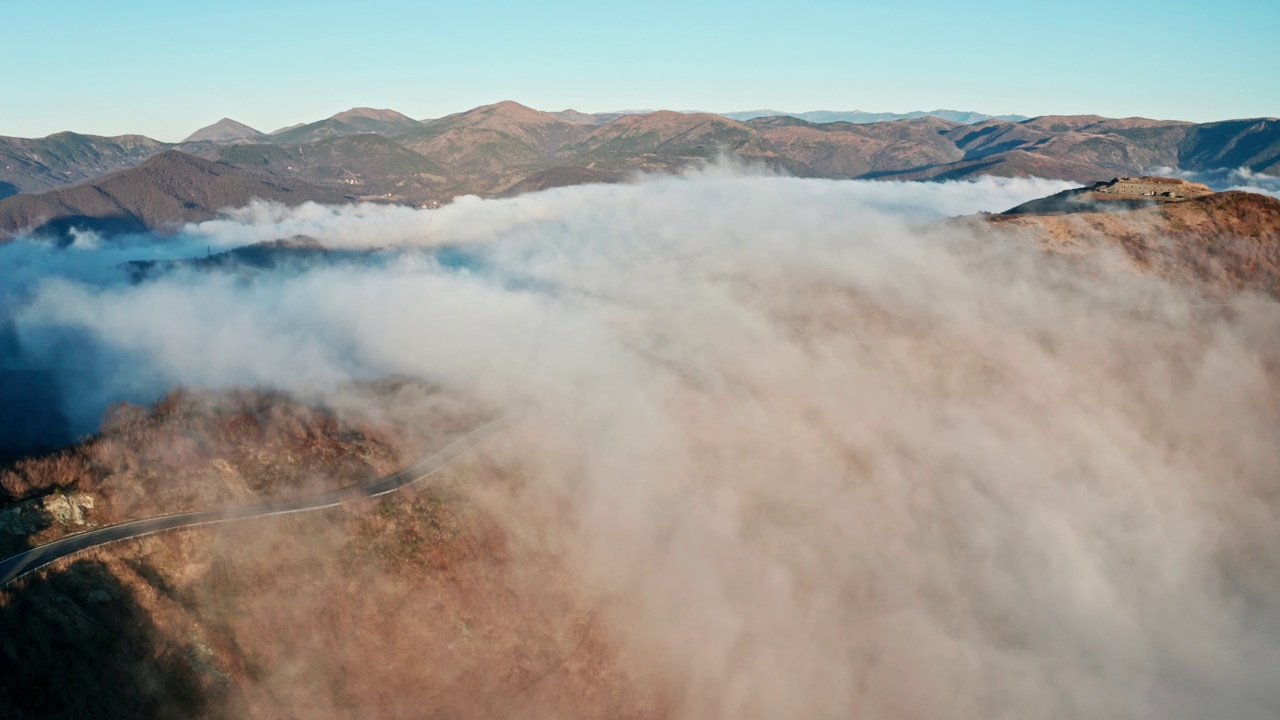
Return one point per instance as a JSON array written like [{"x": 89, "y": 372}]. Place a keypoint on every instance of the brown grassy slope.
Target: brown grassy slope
[
  {"x": 416, "y": 605},
  {"x": 169, "y": 189},
  {"x": 413, "y": 607},
  {"x": 199, "y": 451},
  {"x": 1229, "y": 241},
  {"x": 849, "y": 150},
  {"x": 80, "y": 643},
  {"x": 492, "y": 138}
]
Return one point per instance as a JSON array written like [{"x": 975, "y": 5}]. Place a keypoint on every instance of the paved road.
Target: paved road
[{"x": 31, "y": 560}]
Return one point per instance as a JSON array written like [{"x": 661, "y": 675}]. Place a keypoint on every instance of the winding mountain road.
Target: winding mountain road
[{"x": 31, "y": 560}]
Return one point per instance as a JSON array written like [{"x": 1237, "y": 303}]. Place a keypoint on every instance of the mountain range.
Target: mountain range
[{"x": 507, "y": 148}]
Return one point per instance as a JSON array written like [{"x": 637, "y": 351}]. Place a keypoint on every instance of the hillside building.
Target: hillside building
[{"x": 1153, "y": 188}]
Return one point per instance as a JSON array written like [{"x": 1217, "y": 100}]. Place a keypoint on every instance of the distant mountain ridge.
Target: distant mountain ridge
[
  {"x": 350, "y": 122},
  {"x": 862, "y": 117},
  {"x": 507, "y": 148}
]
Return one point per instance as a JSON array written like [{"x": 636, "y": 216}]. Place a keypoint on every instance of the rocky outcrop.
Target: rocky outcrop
[
  {"x": 31, "y": 516},
  {"x": 68, "y": 509}
]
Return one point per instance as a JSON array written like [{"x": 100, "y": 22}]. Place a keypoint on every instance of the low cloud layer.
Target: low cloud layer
[
  {"x": 810, "y": 454},
  {"x": 1233, "y": 179}
]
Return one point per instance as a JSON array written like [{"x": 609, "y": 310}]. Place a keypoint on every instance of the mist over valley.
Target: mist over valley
[{"x": 421, "y": 411}]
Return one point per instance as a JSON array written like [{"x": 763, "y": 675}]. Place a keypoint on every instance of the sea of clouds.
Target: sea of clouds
[{"x": 811, "y": 452}]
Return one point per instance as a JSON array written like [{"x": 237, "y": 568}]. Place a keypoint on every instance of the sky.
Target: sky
[{"x": 164, "y": 69}]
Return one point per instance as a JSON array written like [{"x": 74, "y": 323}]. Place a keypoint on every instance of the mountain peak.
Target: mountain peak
[
  {"x": 356, "y": 121},
  {"x": 225, "y": 130},
  {"x": 508, "y": 106},
  {"x": 510, "y": 110},
  {"x": 574, "y": 116},
  {"x": 380, "y": 115},
  {"x": 505, "y": 116}
]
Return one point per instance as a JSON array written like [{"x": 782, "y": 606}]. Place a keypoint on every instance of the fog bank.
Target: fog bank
[
  {"x": 1233, "y": 179},
  {"x": 810, "y": 455}
]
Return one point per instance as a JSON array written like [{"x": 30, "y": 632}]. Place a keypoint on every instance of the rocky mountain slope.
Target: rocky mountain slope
[{"x": 1225, "y": 242}]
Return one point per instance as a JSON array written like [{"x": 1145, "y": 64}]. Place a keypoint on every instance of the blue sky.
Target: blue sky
[{"x": 166, "y": 68}]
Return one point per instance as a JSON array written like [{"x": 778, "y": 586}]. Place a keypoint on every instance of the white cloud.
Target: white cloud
[{"x": 1232, "y": 179}]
